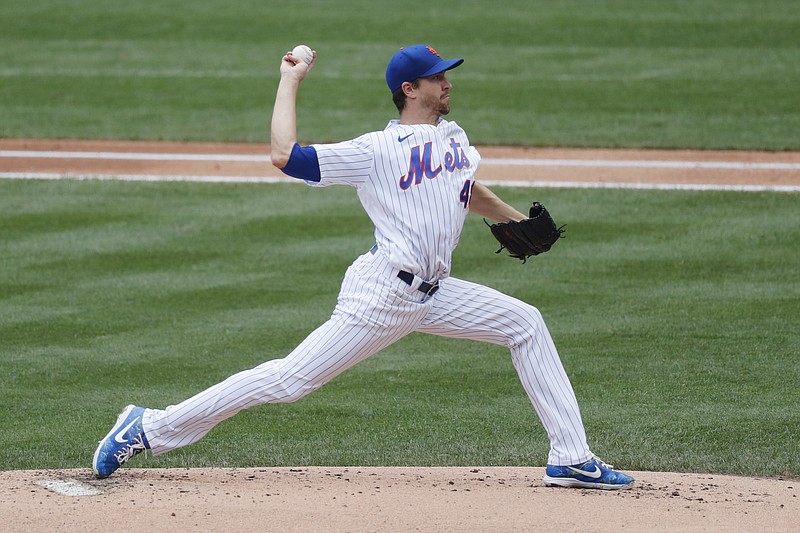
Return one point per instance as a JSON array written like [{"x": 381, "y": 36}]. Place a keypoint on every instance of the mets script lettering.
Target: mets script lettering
[{"x": 421, "y": 165}]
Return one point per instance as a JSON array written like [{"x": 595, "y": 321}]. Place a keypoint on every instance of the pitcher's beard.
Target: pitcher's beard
[{"x": 442, "y": 106}]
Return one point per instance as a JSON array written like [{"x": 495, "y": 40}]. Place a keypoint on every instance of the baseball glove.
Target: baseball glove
[{"x": 529, "y": 237}]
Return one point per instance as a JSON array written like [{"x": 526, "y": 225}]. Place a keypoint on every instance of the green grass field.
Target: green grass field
[
  {"x": 675, "y": 312},
  {"x": 630, "y": 73},
  {"x": 676, "y": 320}
]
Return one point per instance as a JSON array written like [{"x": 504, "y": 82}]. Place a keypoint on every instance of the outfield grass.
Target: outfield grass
[
  {"x": 678, "y": 74},
  {"x": 675, "y": 312}
]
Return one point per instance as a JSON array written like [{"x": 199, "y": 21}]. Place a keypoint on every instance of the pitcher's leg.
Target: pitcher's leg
[
  {"x": 334, "y": 347},
  {"x": 464, "y": 309},
  {"x": 369, "y": 317},
  {"x": 546, "y": 382}
]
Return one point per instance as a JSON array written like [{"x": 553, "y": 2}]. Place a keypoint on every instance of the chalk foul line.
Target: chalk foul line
[{"x": 635, "y": 163}]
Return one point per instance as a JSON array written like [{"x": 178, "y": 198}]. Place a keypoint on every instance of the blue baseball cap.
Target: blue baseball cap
[{"x": 418, "y": 61}]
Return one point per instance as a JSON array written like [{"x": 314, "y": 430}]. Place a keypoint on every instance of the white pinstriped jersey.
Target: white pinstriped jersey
[{"x": 414, "y": 182}]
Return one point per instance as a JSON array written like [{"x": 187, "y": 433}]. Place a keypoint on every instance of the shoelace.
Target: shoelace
[
  {"x": 133, "y": 448},
  {"x": 605, "y": 464}
]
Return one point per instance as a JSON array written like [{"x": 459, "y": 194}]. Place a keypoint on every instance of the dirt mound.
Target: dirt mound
[{"x": 387, "y": 499}]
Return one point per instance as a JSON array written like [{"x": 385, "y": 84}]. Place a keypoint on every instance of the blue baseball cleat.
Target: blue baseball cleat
[
  {"x": 125, "y": 440},
  {"x": 593, "y": 474}
]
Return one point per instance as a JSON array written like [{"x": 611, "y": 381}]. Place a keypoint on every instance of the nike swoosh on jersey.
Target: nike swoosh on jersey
[
  {"x": 121, "y": 433},
  {"x": 596, "y": 474},
  {"x": 401, "y": 139}
]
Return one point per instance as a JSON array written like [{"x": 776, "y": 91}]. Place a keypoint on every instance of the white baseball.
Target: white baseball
[{"x": 303, "y": 52}]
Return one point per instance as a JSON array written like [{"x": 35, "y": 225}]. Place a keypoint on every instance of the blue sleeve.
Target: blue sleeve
[{"x": 303, "y": 164}]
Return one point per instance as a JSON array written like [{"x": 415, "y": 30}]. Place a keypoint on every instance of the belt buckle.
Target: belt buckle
[{"x": 434, "y": 287}]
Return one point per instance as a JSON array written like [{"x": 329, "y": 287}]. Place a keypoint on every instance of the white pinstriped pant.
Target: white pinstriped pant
[{"x": 375, "y": 309}]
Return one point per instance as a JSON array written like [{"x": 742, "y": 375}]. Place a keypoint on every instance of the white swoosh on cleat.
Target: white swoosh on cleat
[
  {"x": 596, "y": 474},
  {"x": 121, "y": 433}
]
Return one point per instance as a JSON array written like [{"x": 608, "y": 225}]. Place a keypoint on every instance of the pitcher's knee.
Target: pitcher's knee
[
  {"x": 289, "y": 388},
  {"x": 529, "y": 324},
  {"x": 292, "y": 393},
  {"x": 279, "y": 385}
]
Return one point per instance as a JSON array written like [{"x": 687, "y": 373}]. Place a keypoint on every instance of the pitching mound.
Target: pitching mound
[{"x": 387, "y": 499}]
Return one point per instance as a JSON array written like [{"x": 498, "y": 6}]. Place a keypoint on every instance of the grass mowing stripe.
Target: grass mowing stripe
[
  {"x": 503, "y": 183},
  {"x": 590, "y": 64},
  {"x": 675, "y": 319},
  {"x": 703, "y": 74}
]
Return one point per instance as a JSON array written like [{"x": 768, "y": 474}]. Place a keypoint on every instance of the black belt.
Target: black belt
[{"x": 428, "y": 288}]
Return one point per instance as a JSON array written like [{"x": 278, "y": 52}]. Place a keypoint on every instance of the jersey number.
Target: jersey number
[{"x": 466, "y": 190}]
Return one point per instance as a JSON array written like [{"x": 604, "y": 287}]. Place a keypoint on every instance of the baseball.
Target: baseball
[{"x": 303, "y": 52}]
